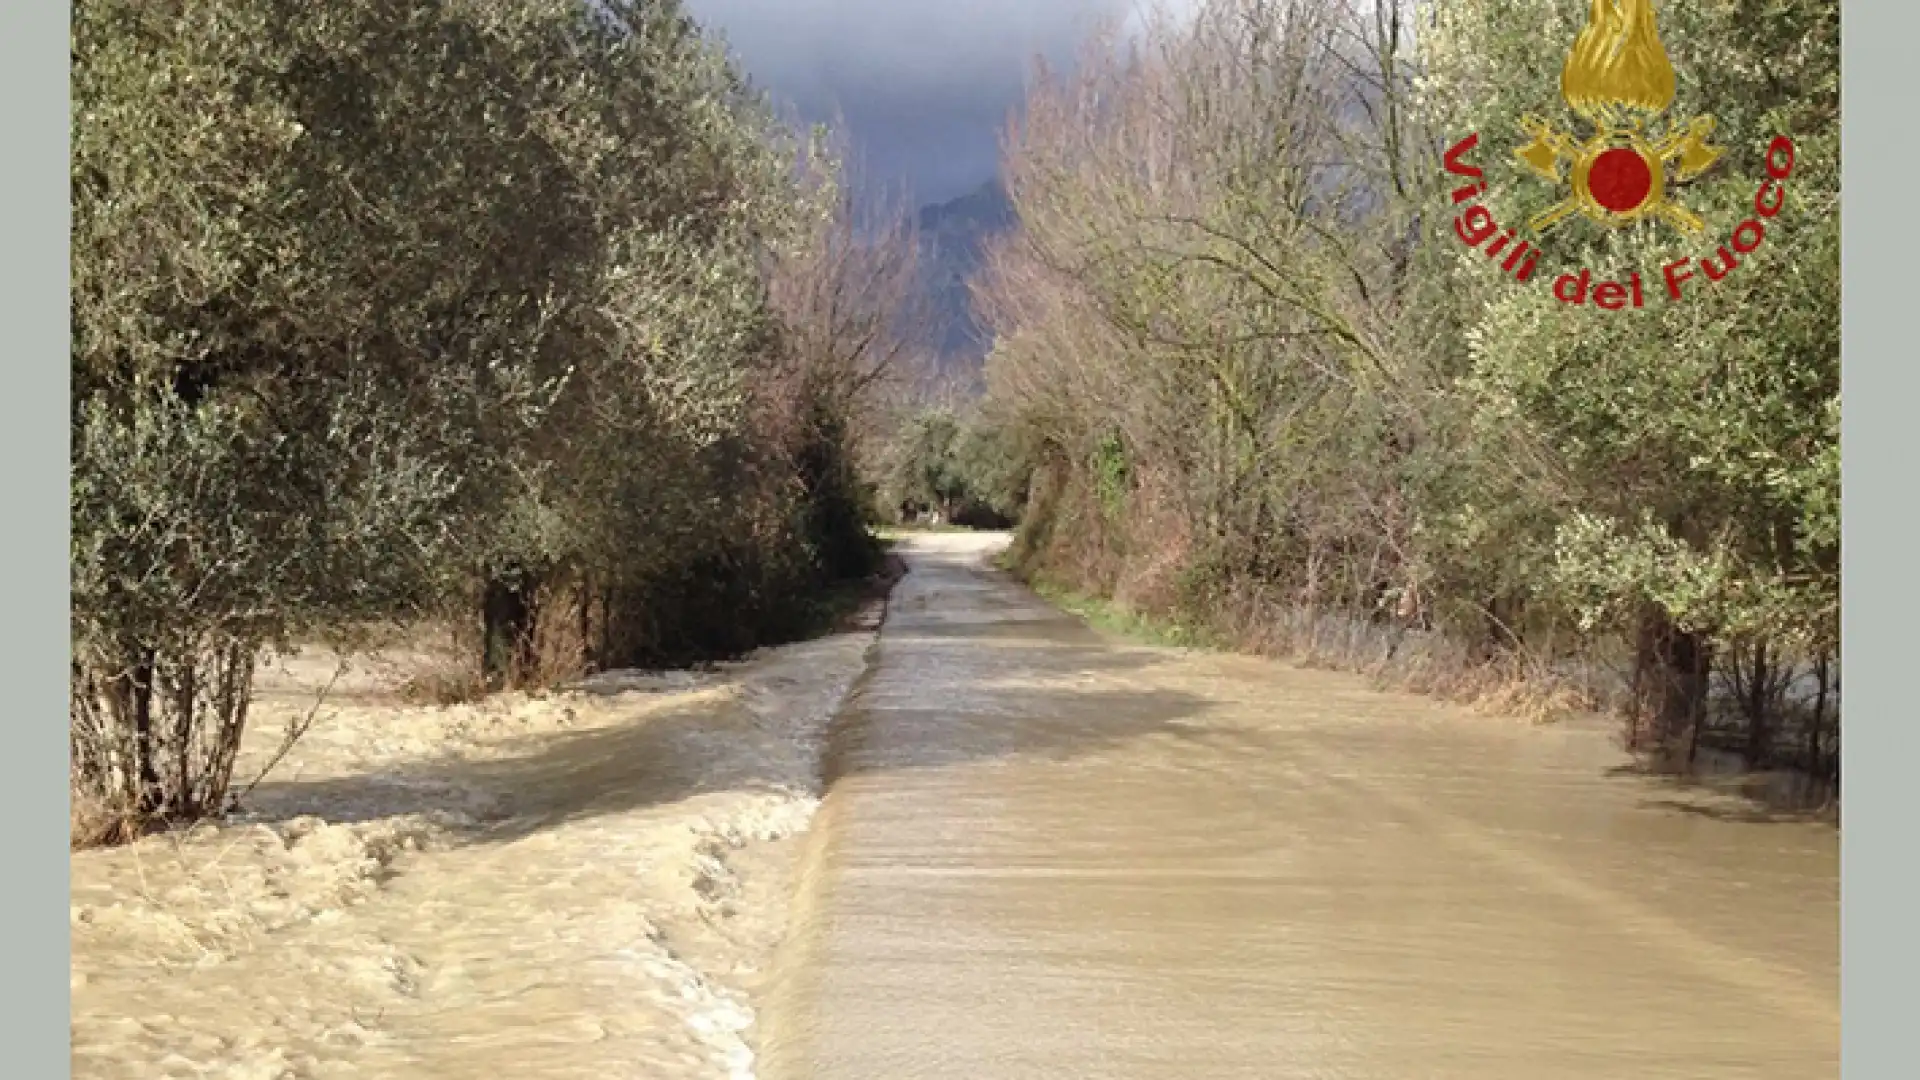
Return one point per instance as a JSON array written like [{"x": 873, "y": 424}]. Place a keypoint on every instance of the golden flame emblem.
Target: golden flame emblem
[{"x": 1619, "y": 79}]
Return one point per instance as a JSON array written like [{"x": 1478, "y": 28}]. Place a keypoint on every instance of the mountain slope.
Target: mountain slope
[{"x": 953, "y": 237}]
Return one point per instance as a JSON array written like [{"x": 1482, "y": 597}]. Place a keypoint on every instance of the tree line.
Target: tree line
[
  {"x": 531, "y": 314},
  {"x": 1253, "y": 378}
]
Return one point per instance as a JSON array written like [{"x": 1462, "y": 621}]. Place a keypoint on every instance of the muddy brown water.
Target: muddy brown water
[{"x": 1051, "y": 855}]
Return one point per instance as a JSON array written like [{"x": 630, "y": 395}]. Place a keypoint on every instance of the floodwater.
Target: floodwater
[
  {"x": 586, "y": 884},
  {"x": 1048, "y": 855}
]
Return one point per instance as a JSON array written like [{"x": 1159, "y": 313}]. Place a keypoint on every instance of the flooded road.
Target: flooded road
[{"x": 1049, "y": 855}]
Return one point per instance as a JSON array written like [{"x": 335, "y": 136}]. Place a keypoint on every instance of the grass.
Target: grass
[
  {"x": 896, "y": 532},
  {"x": 836, "y": 610},
  {"x": 839, "y": 607},
  {"x": 1114, "y": 617},
  {"x": 1485, "y": 687}
]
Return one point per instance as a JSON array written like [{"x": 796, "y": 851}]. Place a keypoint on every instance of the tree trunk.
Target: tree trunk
[
  {"x": 1690, "y": 661},
  {"x": 1499, "y": 614},
  {"x": 154, "y": 738},
  {"x": 1759, "y": 733},
  {"x": 589, "y": 649},
  {"x": 1818, "y": 727},
  {"x": 184, "y": 804},
  {"x": 1671, "y": 669},
  {"x": 143, "y": 736},
  {"x": 507, "y": 612}
]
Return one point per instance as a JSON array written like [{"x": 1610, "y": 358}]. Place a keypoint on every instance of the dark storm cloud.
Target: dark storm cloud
[{"x": 924, "y": 86}]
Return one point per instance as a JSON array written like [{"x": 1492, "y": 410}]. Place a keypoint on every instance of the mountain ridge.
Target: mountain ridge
[{"x": 953, "y": 239}]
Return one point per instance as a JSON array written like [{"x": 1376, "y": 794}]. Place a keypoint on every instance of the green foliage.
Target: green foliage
[
  {"x": 1239, "y": 341},
  {"x": 962, "y": 465},
  {"x": 380, "y": 308},
  {"x": 1694, "y": 446},
  {"x": 1110, "y": 477}
]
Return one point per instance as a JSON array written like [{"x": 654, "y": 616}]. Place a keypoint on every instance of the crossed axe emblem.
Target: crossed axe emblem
[{"x": 1618, "y": 177}]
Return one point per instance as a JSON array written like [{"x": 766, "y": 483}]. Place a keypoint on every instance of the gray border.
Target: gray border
[
  {"x": 33, "y": 310},
  {"x": 1879, "y": 949}
]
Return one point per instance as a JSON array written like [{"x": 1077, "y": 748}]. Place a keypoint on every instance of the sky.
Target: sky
[{"x": 924, "y": 86}]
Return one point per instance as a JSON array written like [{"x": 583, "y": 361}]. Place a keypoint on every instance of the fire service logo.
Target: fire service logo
[{"x": 1619, "y": 82}]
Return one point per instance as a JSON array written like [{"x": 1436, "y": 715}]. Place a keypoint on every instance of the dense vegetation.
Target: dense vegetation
[
  {"x": 947, "y": 463},
  {"x": 530, "y": 313},
  {"x": 1257, "y": 381},
  {"x": 526, "y": 311}
]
